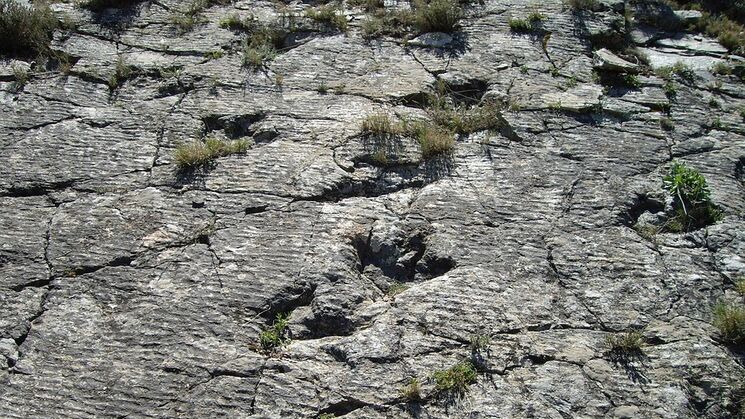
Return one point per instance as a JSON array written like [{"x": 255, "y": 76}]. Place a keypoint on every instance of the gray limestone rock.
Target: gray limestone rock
[{"x": 132, "y": 288}]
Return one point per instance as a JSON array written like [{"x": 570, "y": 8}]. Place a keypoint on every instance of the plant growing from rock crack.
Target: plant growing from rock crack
[
  {"x": 328, "y": 15},
  {"x": 437, "y": 15},
  {"x": 197, "y": 153},
  {"x": 740, "y": 285},
  {"x": 122, "y": 71},
  {"x": 25, "y": 30},
  {"x": 679, "y": 69},
  {"x": 411, "y": 392},
  {"x": 276, "y": 335},
  {"x": 20, "y": 77},
  {"x": 456, "y": 378},
  {"x": 479, "y": 342},
  {"x": 397, "y": 287},
  {"x": 730, "y": 320},
  {"x": 527, "y": 25},
  {"x": 627, "y": 343},
  {"x": 691, "y": 199}
]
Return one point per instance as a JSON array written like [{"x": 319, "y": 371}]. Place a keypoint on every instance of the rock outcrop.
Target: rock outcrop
[{"x": 130, "y": 288}]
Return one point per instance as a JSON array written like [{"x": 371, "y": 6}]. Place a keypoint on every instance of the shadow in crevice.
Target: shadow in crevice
[
  {"x": 115, "y": 15},
  {"x": 632, "y": 361}
]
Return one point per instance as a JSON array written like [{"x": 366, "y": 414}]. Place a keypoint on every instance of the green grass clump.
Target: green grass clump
[
  {"x": 188, "y": 18},
  {"x": 392, "y": 23},
  {"x": 691, "y": 199},
  {"x": 412, "y": 391},
  {"x": 275, "y": 336},
  {"x": 628, "y": 342},
  {"x": 740, "y": 286},
  {"x": 20, "y": 77},
  {"x": 25, "y": 30},
  {"x": 679, "y": 69},
  {"x": 379, "y": 124},
  {"x": 456, "y": 378},
  {"x": 730, "y": 320},
  {"x": 527, "y": 25},
  {"x": 197, "y": 153},
  {"x": 262, "y": 44},
  {"x": 328, "y": 15},
  {"x": 122, "y": 71},
  {"x": 434, "y": 140},
  {"x": 437, "y": 16}
]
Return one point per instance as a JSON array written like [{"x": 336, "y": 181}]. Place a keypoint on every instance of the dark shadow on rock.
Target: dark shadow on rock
[
  {"x": 630, "y": 361},
  {"x": 116, "y": 18}
]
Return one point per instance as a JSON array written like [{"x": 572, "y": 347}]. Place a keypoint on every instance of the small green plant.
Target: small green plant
[
  {"x": 528, "y": 24},
  {"x": 670, "y": 89},
  {"x": 714, "y": 103},
  {"x": 667, "y": 124},
  {"x": 197, "y": 153},
  {"x": 397, "y": 287},
  {"x": 434, "y": 140},
  {"x": 186, "y": 19},
  {"x": 741, "y": 111},
  {"x": 393, "y": 23},
  {"x": 740, "y": 285},
  {"x": 379, "y": 124},
  {"x": 279, "y": 79},
  {"x": 629, "y": 342},
  {"x": 262, "y": 44},
  {"x": 275, "y": 336},
  {"x": 437, "y": 16},
  {"x": 721, "y": 68},
  {"x": 456, "y": 378},
  {"x": 25, "y": 30},
  {"x": 322, "y": 87},
  {"x": 730, "y": 320},
  {"x": 328, "y": 15},
  {"x": 716, "y": 123},
  {"x": 691, "y": 199},
  {"x": 480, "y": 342},
  {"x": 679, "y": 69},
  {"x": 632, "y": 80},
  {"x": 21, "y": 76},
  {"x": 122, "y": 71},
  {"x": 235, "y": 22},
  {"x": 214, "y": 55},
  {"x": 411, "y": 392}
]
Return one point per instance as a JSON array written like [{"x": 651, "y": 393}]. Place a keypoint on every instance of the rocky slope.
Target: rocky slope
[{"x": 129, "y": 288}]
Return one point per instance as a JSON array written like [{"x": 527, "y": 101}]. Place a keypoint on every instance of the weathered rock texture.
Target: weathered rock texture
[{"x": 130, "y": 290}]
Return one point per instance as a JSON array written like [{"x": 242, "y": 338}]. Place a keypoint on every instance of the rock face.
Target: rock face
[{"x": 129, "y": 289}]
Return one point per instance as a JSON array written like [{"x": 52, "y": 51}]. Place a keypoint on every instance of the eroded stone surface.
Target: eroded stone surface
[{"x": 130, "y": 289}]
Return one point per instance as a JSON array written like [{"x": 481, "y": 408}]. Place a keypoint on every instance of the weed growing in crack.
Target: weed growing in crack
[
  {"x": 328, "y": 15},
  {"x": 275, "y": 336},
  {"x": 437, "y": 15},
  {"x": 397, "y": 287},
  {"x": 455, "y": 379},
  {"x": 691, "y": 199},
  {"x": 411, "y": 392},
  {"x": 679, "y": 69},
  {"x": 479, "y": 342},
  {"x": 21, "y": 76},
  {"x": 122, "y": 71},
  {"x": 433, "y": 139},
  {"x": 379, "y": 124},
  {"x": 263, "y": 43},
  {"x": 740, "y": 286},
  {"x": 186, "y": 19},
  {"x": 197, "y": 153},
  {"x": 527, "y": 25},
  {"x": 730, "y": 320},
  {"x": 627, "y": 343}
]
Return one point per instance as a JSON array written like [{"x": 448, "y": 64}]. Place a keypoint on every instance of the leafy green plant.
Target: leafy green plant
[
  {"x": 456, "y": 378},
  {"x": 397, "y": 287},
  {"x": 197, "y": 153},
  {"x": 412, "y": 391},
  {"x": 322, "y": 87},
  {"x": 25, "y": 30},
  {"x": 730, "y": 320},
  {"x": 740, "y": 285},
  {"x": 437, "y": 15},
  {"x": 276, "y": 335},
  {"x": 187, "y": 18},
  {"x": 691, "y": 198}
]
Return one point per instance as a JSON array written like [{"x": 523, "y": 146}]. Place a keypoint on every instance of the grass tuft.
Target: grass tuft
[
  {"x": 437, "y": 16},
  {"x": 412, "y": 391},
  {"x": 456, "y": 378},
  {"x": 730, "y": 320},
  {"x": 276, "y": 335},
  {"x": 197, "y": 153},
  {"x": 25, "y": 30},
  {"x": 328, "y": 15}
]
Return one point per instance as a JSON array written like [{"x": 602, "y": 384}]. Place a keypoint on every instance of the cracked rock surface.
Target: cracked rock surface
[{"x": 130, "y": 290}]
